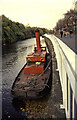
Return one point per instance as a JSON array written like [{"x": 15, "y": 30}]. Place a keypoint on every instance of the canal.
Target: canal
[{"x": 13, "y": 59}]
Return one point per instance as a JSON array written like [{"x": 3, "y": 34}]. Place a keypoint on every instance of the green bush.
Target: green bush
[{"x": 14, "y": 31}]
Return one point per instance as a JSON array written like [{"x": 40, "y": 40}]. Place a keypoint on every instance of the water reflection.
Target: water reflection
[{"x": 34, "y": 108}]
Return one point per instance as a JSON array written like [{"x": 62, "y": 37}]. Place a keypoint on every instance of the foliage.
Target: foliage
[
  {"x": 11, "y": 31},
  {"x": 68, "y": 22},
  {"x": 15, "y": 31}
]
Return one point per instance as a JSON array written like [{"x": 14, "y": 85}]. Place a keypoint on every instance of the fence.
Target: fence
[{"x": 66, "y": 60}]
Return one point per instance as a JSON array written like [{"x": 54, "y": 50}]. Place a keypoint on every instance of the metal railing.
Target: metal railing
[{"x": 66, "y": 60}]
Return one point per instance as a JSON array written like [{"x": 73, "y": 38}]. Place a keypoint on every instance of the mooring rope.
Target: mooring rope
[{"x": 45, "y": 69}]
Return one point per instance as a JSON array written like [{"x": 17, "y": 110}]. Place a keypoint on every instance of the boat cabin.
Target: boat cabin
[{"x": 36, "y": 61}]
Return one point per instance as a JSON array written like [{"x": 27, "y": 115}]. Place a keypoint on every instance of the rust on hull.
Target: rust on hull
[
  {"x": 34, "y": 80},
  {"x": 32, "y": 86}
]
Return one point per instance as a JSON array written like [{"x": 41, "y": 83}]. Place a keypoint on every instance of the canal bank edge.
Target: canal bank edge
[{"x": 56, "y": 92}]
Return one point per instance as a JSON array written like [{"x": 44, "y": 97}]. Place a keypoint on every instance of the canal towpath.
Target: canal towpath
[{"x": 71, "y": 42}]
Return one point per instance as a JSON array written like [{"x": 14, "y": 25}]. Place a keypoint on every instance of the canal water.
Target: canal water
[{"x": 13, "y": 59}]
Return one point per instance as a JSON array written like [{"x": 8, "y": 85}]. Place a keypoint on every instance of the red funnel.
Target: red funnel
[{"x": 38, "y": 40}]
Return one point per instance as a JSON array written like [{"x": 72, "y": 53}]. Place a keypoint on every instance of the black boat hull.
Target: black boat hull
[{"x": 37, "y": 91}]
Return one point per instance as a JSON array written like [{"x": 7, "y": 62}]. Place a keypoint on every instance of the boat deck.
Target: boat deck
[
  {"x": 32, "y": 81},
  {"x": 31, "y": 85}
]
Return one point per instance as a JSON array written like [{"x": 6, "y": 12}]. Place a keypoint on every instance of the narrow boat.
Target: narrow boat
[{"x": 34, "y": 79}]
